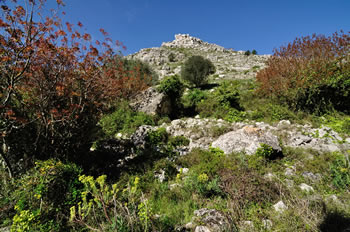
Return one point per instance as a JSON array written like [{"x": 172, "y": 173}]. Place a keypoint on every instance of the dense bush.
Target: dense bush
[
  {"x": 310, "y": 74},
  {"x": 247, "y": 53},
  {"x": 172, "y": 57},
  {"x": 196, "y": 70},
  {"x": 224, "y": 99},
  {"x": 193, "y": 97},
  {"x": 44, "y": 196},
  {"x": 173, "y": 87},
  {"x": 340, "y": 172},
  {"x": 254, "y": 52},
  {"x": 123, "y": 120}
]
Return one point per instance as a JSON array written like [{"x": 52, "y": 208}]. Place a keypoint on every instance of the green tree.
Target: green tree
[
  {"x": 254, "y": 52},
  {"x": 247, "y": 53},
  {"x": 196, "y": 70}
]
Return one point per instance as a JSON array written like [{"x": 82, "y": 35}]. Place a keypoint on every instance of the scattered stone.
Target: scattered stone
[
  {"x": 5, "y": 229},
  {"x": 283, "y": 124},
  {"x": 333, "y": 198},
  {"x": 172, "y": 186},
  {"x": 306, "y": 188},
  {"x": 269, "y": 176},
  {"x": 210, "y": 220},
  {"x": 289, "y": 183},
  {"x": 190, "y": 226},
  {"x": 160, "y": 176},
  {"x": 185, "y": 171},
  {"x": 280, "y": 207},
  {"x": 290, "y": 171},
  {"x": 313, "y": 177},
  {"x": 202, "y": 229}
]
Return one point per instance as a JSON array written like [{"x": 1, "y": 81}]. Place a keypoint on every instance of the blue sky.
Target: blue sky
[{"x": 245, "y": 24}]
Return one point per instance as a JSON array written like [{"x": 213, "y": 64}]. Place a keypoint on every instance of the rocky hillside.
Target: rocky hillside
[{"x": 167, "y": 59}]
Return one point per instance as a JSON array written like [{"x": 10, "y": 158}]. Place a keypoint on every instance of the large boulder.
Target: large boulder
[
  {"x": 247, "y": 139},
  {"x": 152, "y": 102}
]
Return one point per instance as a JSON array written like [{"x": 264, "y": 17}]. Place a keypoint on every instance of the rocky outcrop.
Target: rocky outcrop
[
  {"x": 247, "y": 136},
  {"x": 247, "y": 139},
  {"x": 152, "y": 102},
  {"x": 167, "y": 59}
]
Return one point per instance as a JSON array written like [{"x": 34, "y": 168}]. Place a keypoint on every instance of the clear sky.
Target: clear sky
[{"x": 239, "y": 24}]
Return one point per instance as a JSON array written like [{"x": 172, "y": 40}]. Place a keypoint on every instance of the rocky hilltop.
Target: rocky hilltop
[{"x": 167, "y": 59}]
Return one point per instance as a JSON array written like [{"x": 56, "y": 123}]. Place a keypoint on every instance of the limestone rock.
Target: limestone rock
[
  {"x": 306, "y": 188},
  {"x": 139, "y": 136},
  {"x": 210, "y": 220},
  {"x": 247, "y": 139},
  {"x": 313, "y": 177},
  {"x": 152, "y": 102},
  {"x": 280, "y": 207},
  {"x": 202, "y": 229}
]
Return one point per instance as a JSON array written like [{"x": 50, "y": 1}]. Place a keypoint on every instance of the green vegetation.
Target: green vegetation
[
  {"x": 123, "y": 120},
  {"x": 68, "y": 162},
  {"x": 172, "y": 57},
  {"x": 196, "y": 70},
  {"x": 310, "y": 74}
]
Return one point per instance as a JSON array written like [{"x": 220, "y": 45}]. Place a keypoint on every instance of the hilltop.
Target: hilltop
[{"x": 167, "y": 59}]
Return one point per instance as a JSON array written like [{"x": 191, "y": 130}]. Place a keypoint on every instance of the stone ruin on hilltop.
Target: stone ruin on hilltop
[{"x": 187, "y": 41}]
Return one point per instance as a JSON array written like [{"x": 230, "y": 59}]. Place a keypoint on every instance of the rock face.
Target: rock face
[
  {"x": 229, "y": 64},
  {"x": 247, "y": 139},
  {"x": 152, "y": 102}
]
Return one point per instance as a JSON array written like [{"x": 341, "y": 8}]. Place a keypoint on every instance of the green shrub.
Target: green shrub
[
  {"x": 340, "y": 172},
  {"x": 171, "y": 86},
  {"x": 193, "y": 97},
  {"x": 222, "y": 101},
  {"x": 124, "y": 120},
  {"x": 157, "y": 137},
  {"x": 44, "y": 196},
  {"x": 247, "y": 53},
  {"x": 254, "y": 52},
  {"x": 266, "y": 151},
  {"x": 196, "y": 70},
  {"x": 172, "y": 57}
]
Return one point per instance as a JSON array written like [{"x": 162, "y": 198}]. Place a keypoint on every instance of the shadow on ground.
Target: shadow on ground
[{"x": 335, "y": 222}]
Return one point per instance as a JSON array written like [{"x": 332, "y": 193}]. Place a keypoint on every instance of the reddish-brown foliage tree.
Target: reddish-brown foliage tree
[
  {"x": 312, "y": 73},
  {"x": 53, "y": 82}
]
